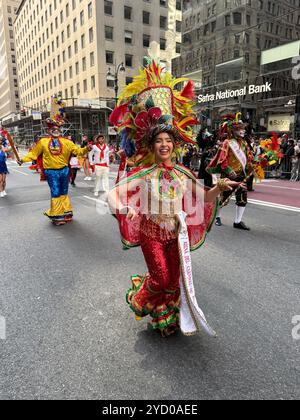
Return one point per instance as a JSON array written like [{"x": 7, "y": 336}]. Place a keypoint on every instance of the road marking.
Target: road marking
[
  {"x": 96, "y": 200},
  {"x": 274, "y": 205},
  {"x": 16, "y": 170},
  {"x": 13, "y": 164},
  {"x": 24, "y": 204},
  {"x": 276, "y": 186}
]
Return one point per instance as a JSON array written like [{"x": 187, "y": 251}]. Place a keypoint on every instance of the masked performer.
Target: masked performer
[
  {"x": 56, "y": 151},
  {"x": 235, "y": 161},
  {"x": 161, "y": 206}
]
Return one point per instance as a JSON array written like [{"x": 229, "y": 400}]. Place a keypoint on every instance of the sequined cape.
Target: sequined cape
[{"x": 198, "y": 224}]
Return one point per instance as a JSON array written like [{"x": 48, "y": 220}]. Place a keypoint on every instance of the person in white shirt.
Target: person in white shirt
[{"x": 100, "y": 158}]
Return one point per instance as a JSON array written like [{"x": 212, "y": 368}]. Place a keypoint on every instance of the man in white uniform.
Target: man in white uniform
[{"x": 100, "y": 158}]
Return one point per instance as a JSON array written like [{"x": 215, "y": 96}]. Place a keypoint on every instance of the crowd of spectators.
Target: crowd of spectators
[{"x": 198, "y": 158}]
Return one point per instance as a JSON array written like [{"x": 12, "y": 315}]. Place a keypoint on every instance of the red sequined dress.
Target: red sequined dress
[{"x": 158, "y": 194}]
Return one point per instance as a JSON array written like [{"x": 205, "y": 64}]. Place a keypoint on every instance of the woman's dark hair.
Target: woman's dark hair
[{"x": 159, "y": 130}]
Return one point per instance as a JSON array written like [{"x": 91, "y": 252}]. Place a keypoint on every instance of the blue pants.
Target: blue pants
[{"x": 58, "y": 180}]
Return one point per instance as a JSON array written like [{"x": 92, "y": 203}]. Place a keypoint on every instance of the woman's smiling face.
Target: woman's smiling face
[{"x": 163, "y": 147}]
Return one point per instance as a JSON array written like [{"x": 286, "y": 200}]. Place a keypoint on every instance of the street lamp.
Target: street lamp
[{"x": 115, "y": 78}]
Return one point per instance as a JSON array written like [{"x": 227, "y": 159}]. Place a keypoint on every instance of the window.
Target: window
[
  {"x": 127, "y": 12},
  {"x": 109, "y": 33},
  {"x": 93, "y": 82},
  {"x": 110, "y": 83},
  {"x": 83, "y": 41},
  {"x": 91, "y": 35},
  {"x": 85, "y": 86},
  {"x": 108, "y": 7},
  {"x": 84, "y": 64},
  {"x": 163, "y": 44},
  {"x": 82, "y": 18},
  {"x": 90, "y": 10},
  {"x": 146, "y": 18},
  {"x": 163, "y": 22},
  {"x": 109, "y": 57},
  {"x": 92, "y": 59},
  {"x": 237, "y": 18},
  {"x": 128, "y": 60},
  {"x": 146, "y": 41},
  {"x": 128, "y": 37}
]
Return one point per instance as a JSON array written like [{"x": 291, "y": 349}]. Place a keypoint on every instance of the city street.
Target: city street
[{"x": 70, "y": 334}]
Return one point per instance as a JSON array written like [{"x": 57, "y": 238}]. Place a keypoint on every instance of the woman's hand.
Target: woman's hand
[{"x": 132, "y": 214}]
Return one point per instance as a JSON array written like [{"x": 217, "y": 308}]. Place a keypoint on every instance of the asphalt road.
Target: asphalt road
[{"x": 70, "y": 334}]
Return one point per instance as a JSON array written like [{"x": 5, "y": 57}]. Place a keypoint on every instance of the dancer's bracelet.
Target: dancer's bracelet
[{"x": 222, "y": 185}]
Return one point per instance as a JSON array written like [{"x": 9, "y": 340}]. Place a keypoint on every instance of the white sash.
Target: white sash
[
  {"x": 191, "y": 316},
  {"x": 239, "y": 153}
]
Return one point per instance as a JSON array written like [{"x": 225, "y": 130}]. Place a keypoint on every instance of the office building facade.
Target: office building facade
[
  {"x": 9, "y": 89},
  {"x": 68, "y": 46}
]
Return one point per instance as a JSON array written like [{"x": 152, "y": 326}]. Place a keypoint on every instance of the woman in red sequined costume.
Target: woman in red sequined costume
[
  {"x": 154, "y": 226},
  {"x": 162, "y": 207}
]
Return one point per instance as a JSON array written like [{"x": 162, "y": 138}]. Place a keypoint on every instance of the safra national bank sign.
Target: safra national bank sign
[{"x": 227, "y": 94}]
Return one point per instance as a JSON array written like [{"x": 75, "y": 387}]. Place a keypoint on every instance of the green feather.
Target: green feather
[{"x": 164, "y": 119}]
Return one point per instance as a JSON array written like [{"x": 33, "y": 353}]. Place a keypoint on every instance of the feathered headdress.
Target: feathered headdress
[
  {"x": 57, "y": 114},
  {"x": 151, "y": 104},
  {"x": 231, "y": 123}
]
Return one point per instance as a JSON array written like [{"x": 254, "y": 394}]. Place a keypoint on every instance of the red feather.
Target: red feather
[
  {"x": 189, "y": 90},
  {"x": 275, "y": 143},
  {"x": 118, "y": 115}
]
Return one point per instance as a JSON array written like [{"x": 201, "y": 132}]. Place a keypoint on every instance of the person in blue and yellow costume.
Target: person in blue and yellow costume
[{"x": 56, "y": 152}]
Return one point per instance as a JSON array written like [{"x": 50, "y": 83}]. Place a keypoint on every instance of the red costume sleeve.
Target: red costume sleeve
[{"x": 220, "y": 163}]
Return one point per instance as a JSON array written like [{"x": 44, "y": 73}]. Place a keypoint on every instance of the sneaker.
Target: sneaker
[
  {"x": 4, "y": 194},
  {"x": 1, "y": 194},
  {"x": 218, "y": 221},
  {"x": 87, "y": 178},
  {"x": 58, "y": 223},
  {"x": 241, "y": 226},
  {"x": 96, "y": 194}
]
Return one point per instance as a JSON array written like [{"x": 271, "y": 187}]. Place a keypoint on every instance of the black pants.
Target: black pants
[
  {"x": 73, "y": 175},
  {"x": 250, "y": 183}
]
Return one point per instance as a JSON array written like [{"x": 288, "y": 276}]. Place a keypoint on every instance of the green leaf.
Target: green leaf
[{"x": 149, "y": 103}]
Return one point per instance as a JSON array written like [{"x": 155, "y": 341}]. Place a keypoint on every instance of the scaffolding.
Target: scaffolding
[{"x": 80, "y": 121}]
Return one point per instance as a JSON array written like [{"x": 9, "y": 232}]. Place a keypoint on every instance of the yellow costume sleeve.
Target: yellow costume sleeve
[
  {"x": 34, "y": 153},
  {"x": 77, "y": 151}
]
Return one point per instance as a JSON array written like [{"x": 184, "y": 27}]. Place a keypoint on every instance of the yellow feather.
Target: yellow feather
[{"x": 177, "y": 81}]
